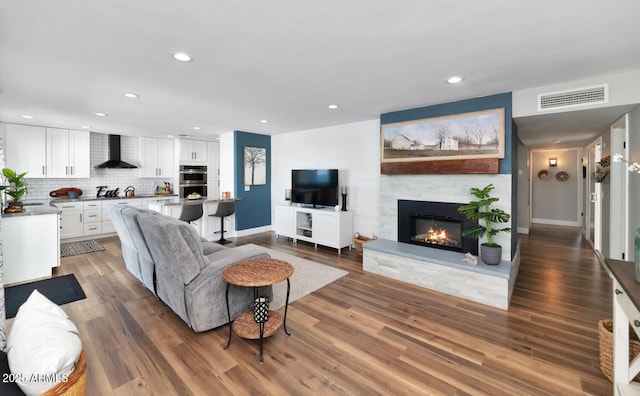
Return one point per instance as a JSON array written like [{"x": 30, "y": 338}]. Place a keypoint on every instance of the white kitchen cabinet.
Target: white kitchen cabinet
[
  {"x": 68, "y": 153},
  {"x": 30, "y": 246},
  {"x": 326, "y": 227},
  {"x": 213, "y": 170},
  {"x": 71, "y": 225},
  {"x": 156, "y": 157},
  {"x": 193, "y": 152},
  {"x": 213, "y": 159},
  {"x": 92, "y": 217},
  {"x": 26, "y": 150}
]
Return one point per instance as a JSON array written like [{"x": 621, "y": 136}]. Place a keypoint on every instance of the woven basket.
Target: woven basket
[
  {"x": 76, "y": 383},
  {"x": 605, "y": 329},
  {"x": 360, "y": 240}
]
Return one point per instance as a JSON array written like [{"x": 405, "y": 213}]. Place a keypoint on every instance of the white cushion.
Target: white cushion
[{"x": 43, "y": 345}]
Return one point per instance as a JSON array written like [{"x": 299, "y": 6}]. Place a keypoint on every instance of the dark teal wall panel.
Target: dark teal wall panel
[
  {"x": 254, "y": 207},
  {"x": 464, "y": 106}
]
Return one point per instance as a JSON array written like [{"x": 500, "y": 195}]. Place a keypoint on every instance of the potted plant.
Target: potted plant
[
  {"x": 481, "y": 210},
  {"x": 16, "y": 189}
]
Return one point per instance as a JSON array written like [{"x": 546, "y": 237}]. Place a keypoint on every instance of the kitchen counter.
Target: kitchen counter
[
  {"x": 83, "y": 199},
  {"x": 34, "y": 210},
  {"x": 179, "y": 201}
]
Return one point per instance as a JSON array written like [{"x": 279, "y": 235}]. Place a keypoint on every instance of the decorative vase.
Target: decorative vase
[
  {"x": 637, "y": 243},
  {"x": 491, "y": 255},
  {"x": 14, "y": 207}
]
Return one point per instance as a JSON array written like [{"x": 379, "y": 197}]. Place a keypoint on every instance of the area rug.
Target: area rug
[
  {"x": 82, "y": 247},
  {"x": 308, "y": 276},
  {"x": 61, "y": 290}
]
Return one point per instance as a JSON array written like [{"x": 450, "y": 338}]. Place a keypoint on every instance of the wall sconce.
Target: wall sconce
[{"x": 553, "y": 161}]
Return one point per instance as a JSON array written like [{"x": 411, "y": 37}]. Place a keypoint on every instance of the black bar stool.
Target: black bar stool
[
  {"x": 191, "y": 211},
  {"x": 225, "y": 208}
]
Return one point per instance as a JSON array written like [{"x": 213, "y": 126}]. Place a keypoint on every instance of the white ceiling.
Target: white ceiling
[{"x": 286, "y": 60}]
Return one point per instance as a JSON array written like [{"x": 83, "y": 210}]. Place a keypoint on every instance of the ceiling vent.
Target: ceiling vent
[{"x": 574, "y": 97}]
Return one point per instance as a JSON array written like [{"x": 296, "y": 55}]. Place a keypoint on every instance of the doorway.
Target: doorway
[
  {"x": 619, "y": 196},
  {"x": 593, "y": 218}
]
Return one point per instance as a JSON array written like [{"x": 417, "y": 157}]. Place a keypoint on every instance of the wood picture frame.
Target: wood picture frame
[
  {"x": 255, "y": 166},
  {"x": 465, "y": 136}
]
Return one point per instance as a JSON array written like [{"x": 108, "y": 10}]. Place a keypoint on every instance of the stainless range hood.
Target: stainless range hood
[{"x": 114, "y": 161}]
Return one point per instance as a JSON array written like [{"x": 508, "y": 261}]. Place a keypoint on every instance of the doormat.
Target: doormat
[
  {"x": 82, "y": 247},
  {"x": 61, "y": 290}
]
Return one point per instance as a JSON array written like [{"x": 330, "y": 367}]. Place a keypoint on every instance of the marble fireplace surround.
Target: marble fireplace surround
[{"x": 435, "y": 269}]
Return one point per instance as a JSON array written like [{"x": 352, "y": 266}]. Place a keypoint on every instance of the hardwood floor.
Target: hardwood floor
[{"x": 361, "y": 335}]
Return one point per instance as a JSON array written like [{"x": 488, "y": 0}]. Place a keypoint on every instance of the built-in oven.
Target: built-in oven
[
  {"x": 193, "y": 178},
  {"x": 186, "y": 190},
  {"x": 193, "y": 174}
]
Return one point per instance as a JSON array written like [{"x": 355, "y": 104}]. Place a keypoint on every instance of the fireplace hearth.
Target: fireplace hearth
[{"x": 435, "y": 225}]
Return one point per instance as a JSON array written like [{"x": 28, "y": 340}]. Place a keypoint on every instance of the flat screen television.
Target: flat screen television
[{"x": 317, "y": 187}]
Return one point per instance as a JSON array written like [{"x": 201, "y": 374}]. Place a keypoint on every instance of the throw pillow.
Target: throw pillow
[{"x": 43, "y": 345}]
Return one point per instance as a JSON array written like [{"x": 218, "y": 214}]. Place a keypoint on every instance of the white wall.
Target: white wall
[
  {"x": 353, "y": 148},
  {"x": 523, "y": 176},
  {"x": 553, "y": 201},
  {"x": 622, "y": 91},
  {"x": 227, "y": 161},
  {"x": 634, "y": 179}
]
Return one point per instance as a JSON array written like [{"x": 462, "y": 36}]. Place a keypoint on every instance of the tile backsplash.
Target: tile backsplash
[{"x": 39, "y": 188}]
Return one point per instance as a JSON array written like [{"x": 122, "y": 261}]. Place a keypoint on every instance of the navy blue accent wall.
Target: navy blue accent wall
[
  {"x": 464, "y": 106},
  {"x": 254, "y": 207}
]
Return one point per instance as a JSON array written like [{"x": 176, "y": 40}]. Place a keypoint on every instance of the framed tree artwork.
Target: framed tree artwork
[
  {"x": 255, "y": 166},
  {"x": 459, "y": 143}
]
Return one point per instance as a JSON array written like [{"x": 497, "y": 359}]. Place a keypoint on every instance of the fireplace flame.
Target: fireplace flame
[{"x": 438, "y": 236}]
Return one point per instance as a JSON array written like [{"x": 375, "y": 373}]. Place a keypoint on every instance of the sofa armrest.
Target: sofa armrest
[{"x": 205, "y": 294}]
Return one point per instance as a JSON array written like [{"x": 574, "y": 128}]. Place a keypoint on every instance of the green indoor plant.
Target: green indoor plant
[
  {"x": 17, "y": 186},
  {"x": 487, "y": 217}
]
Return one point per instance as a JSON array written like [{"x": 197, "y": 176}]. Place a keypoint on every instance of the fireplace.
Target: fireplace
[{"x": 435, "y": 225}]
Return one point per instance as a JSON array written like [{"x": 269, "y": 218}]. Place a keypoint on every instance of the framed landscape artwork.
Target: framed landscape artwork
[
  {"x": 472, "y": 135},
  {"x": 255, "y": 166}
]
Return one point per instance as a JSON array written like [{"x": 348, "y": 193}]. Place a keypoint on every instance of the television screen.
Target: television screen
[{"x": 317, "y": 187}]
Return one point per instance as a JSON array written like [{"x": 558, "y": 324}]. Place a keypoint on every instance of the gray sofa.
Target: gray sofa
[{"x": 183, "y": 270}]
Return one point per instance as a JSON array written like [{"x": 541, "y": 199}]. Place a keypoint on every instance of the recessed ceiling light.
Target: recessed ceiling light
[
  {"x": 85, "y": 127},
  {"x": 333, "y": 106},
  {"x": 131, "y": 95},
  {"x": 182, "y": 57},
  {"x": 170, "y": 136},
  {"x": 100, "y": 114},
  {"x": 27, "y": 116},
  {"x": 454, "y": 80},
  {"x": 264, "y": 121},
  {"x": 197, "y": 128}
]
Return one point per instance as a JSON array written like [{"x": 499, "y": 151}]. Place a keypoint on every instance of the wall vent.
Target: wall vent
[{"x": 574, "y": 97}]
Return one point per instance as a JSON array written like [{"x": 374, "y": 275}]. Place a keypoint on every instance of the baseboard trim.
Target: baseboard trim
[
  {"x": 252, "y": 231},
  {"x": 555, "y": 222}
]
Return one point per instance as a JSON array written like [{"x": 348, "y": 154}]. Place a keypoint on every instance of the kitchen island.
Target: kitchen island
[
  {"x": 30, "y": 243},
  {"x": 87, "y": 217},
  {"x": 207, "y": 226}
]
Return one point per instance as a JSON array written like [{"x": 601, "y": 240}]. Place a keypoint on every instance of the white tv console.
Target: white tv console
[{"x": 326, "y": 227}]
